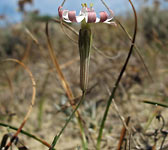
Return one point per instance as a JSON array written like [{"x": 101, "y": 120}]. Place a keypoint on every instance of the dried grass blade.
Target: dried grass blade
[
  {"x": 55, "y": 62},
  {"x": 123, "y": 133}
]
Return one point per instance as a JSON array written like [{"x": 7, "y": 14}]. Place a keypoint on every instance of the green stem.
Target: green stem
[
  {"x": 69, "y": 119},
  {"x": 26, "y": 133},
  {"x": 117, "y": 83},
  {"x": 84, "y": 43},
  {"x": 84, "y": 140}
]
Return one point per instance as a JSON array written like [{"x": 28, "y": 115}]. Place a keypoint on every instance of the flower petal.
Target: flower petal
[
  {"x": 65, "y": 14},
  {"x": 60, "y": 12},
  {"x": 103, "y": 16},
  {"x": 86, "y": 13},
  {"x": 97, "y": 20},
  {"x": 72, "y": 16},
  {"x": 91, "y": 17},
  {"x": 79, "y": 18},
  {"x": 111, "y": 23}
]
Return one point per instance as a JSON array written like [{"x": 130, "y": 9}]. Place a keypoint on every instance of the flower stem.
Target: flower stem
[{"x": 64, "y": 127}]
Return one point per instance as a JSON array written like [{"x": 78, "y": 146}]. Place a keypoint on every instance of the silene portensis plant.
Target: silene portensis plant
[{"x": 86, "y": 17}]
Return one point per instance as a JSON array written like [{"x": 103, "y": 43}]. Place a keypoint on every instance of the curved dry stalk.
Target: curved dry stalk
[
  {"x": 136, "y": 48},
  {"x": 63, "y": 2},
  {"x": 63, "y": 29},
  {"x": 32, "y": 100},
  {"x": 9, "y": 83},
  {"x": 35, "y": 40},
  {"x": 106, "y": 5},
  {"x": 24, "y": 57},
  {"x": 106, "y": 56},
  {"x": 66, "y": 25},
  {"x": 55, "y": 62}
]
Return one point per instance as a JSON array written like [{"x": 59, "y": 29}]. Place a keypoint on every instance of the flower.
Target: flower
[{"x": 86, "y": 13}]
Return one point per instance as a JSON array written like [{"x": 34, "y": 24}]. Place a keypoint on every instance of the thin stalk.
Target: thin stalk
[
  {"x": 42, "y": 101},
  {"x": 27, "y": 134},
  {"x": 117, "y": 82},
  {"x": 84, "y": 43},
  {"x": 67, "y": 122}
]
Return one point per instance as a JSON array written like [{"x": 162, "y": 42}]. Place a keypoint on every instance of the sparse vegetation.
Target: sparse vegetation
[{"x": 137, "y": 117}]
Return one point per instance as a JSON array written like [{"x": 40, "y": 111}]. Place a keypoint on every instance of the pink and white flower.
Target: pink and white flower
[{"x": 86, "y": 13}]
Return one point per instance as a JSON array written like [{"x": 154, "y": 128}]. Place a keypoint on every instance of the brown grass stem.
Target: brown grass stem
[{"x": 123, "y": 133}]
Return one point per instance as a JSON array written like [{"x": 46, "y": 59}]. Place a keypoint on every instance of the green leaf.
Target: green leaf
[{"x": 155, "y": 103}]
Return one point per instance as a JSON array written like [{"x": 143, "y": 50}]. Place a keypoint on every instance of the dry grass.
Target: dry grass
[{"x": 52, "y": 108}]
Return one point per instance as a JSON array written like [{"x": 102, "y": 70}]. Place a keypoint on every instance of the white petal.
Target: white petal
[
  {"x": 109, "y": 19},
  {"x": 65, "y": 14},
  {"x": 111, "y": 23},
  {"x": 79, "y": 18},
  {"x": 67, "y": 20},
  {"x": 86, "y": 18},
  {"x": 97, "y": 20}
]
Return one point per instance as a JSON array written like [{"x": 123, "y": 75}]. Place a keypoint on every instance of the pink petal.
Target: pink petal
[
  {"x": 60, "y": 12},
  {"x": 72, "y": 16},
  {"x": 103, "y": 16},
  {"x": 111, "y": 13},
  {"x": 91, "y": 17}
]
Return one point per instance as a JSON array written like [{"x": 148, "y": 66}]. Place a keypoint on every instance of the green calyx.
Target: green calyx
[{"x": 85, "y": 40}]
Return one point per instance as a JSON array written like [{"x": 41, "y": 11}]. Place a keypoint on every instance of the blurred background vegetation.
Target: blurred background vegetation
[{"x": 52, "y": 109}]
